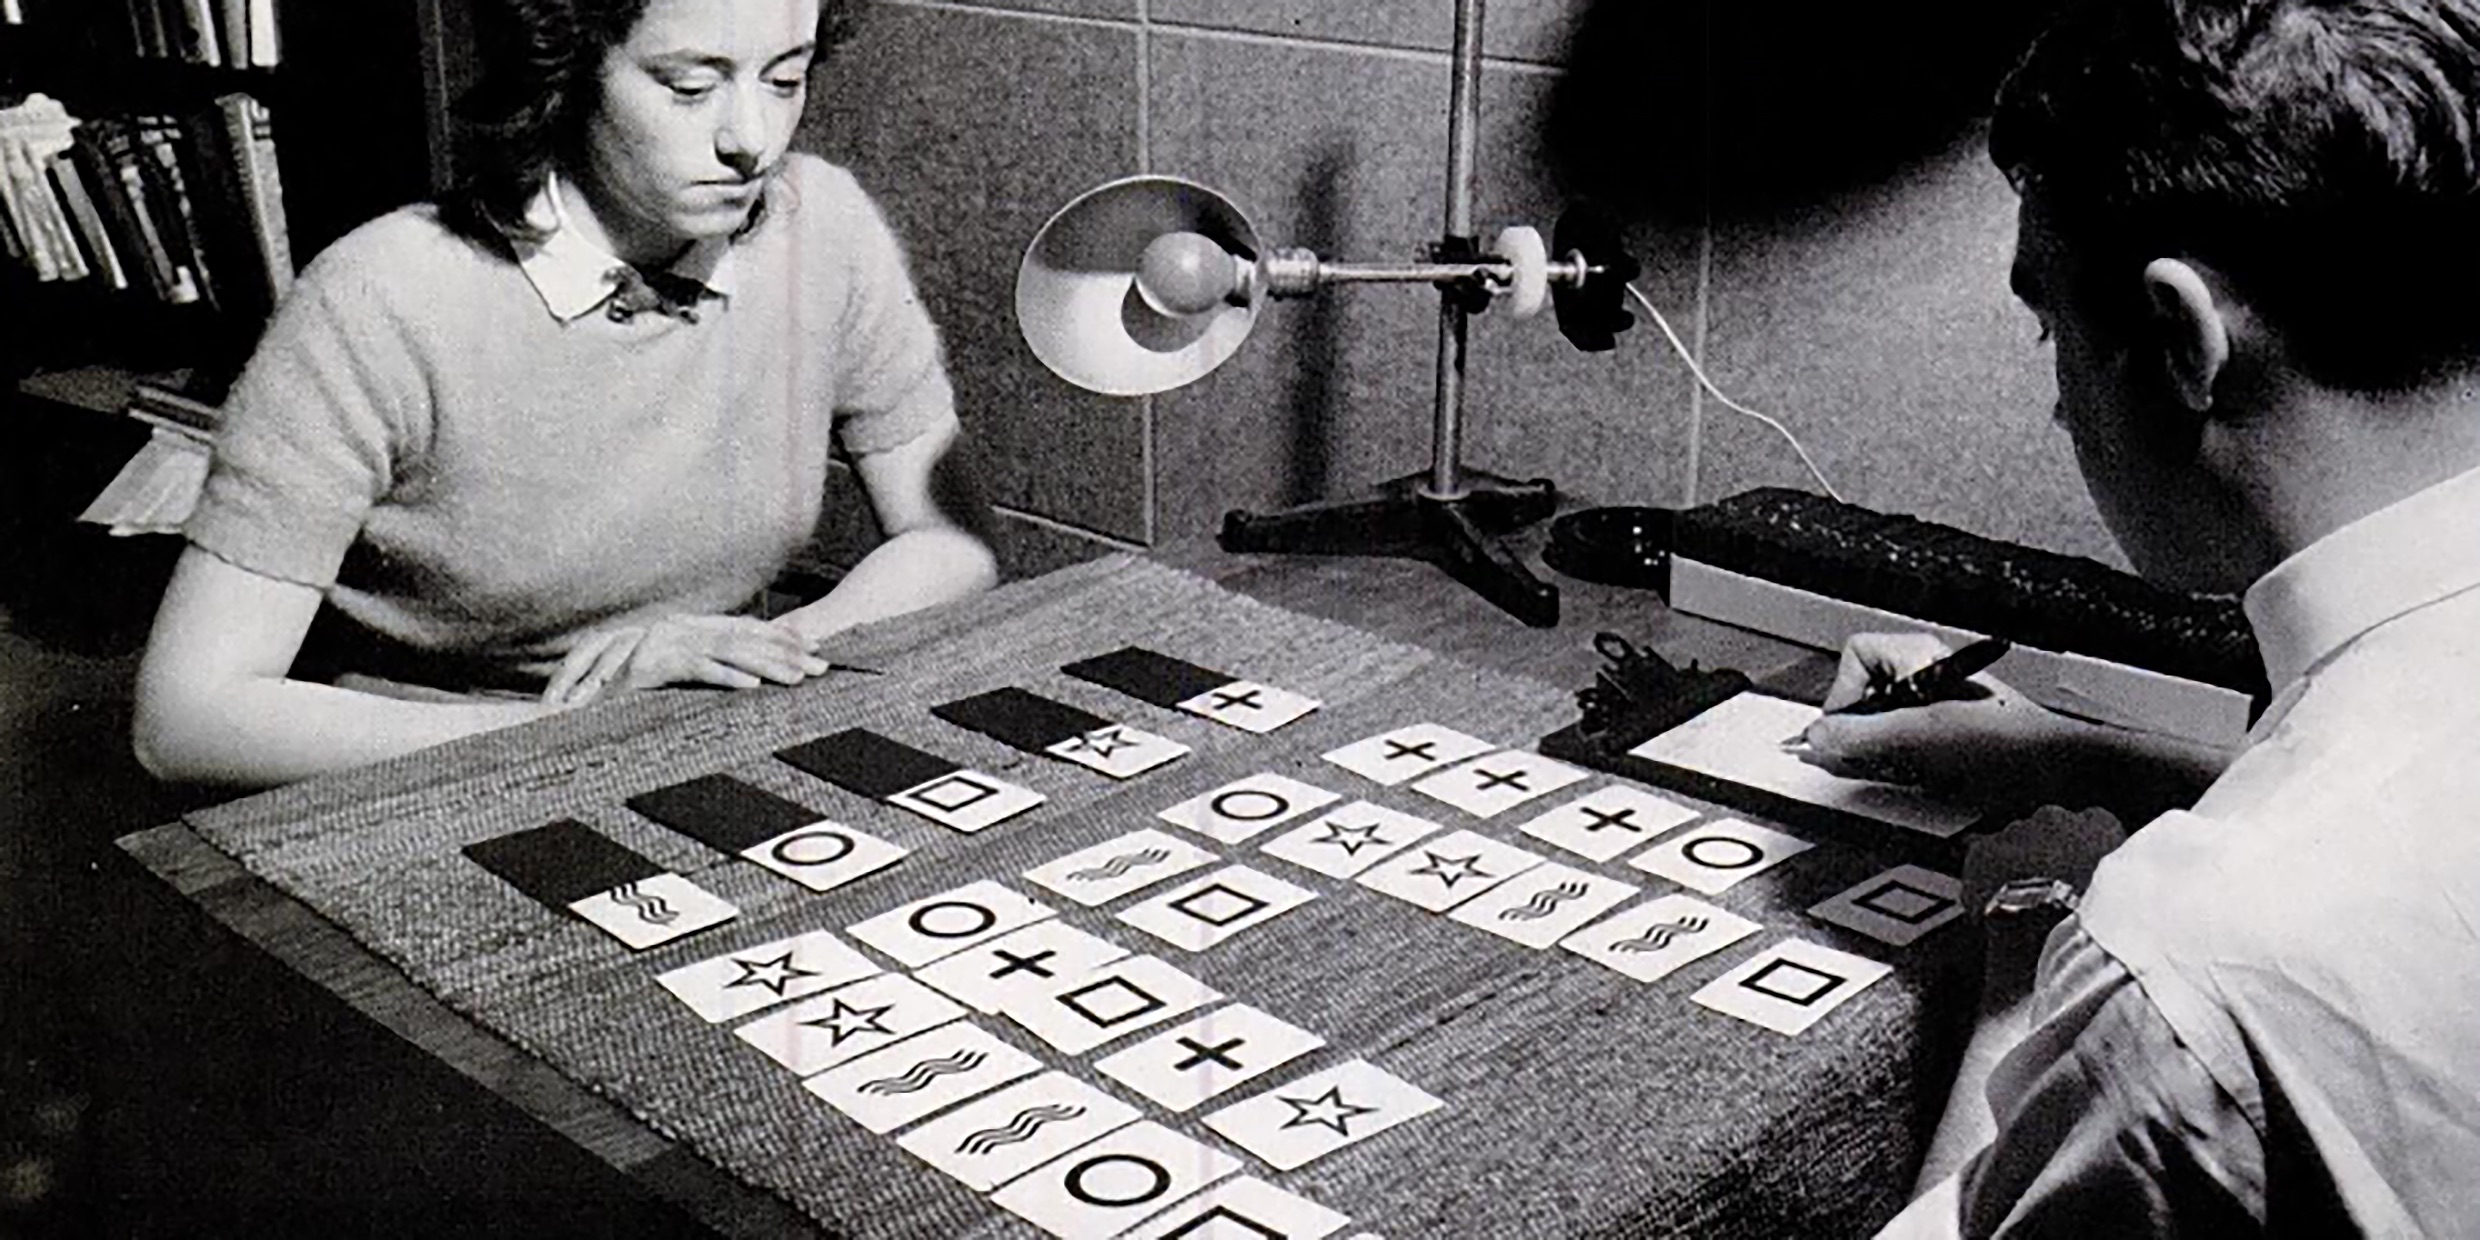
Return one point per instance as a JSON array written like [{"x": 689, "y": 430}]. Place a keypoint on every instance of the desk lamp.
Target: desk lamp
[{"x": 1149, "y": 283}]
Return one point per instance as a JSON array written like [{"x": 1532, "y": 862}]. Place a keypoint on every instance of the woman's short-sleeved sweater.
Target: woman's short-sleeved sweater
[{"x": 476, "y": 482}]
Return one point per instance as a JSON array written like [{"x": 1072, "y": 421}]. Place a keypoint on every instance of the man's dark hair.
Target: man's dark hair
[
  {"x": 2319, "y": 154},
  {"x": 539, "y": 82}
]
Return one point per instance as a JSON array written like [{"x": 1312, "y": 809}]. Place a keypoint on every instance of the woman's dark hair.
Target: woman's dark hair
[
  {"x": 2322, "y": 155},
  {"x": 539, "y": 80}
]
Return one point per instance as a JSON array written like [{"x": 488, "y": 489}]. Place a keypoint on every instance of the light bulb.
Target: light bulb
[{"x": 1185, "y": 273}]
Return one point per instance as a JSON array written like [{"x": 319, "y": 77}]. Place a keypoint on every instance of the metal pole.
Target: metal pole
[{"x": 1446, "y": 480}]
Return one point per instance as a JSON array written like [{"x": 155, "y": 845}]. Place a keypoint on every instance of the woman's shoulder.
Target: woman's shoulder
[{"x": 408, "y": 254}]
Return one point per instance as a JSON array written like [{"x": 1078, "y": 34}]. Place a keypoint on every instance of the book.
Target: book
[
  {"x": 265, "y": 51},
  {"x": 250, "y": 130},
  {"x": 192, "y": 23},
  {"x": 232, "y": 19},
  {"x": 220, "y": 207},
  {"x": 70, "y": 186},
  {"x": 30, "y": 134},
  {"x": 157, "y": 136},
  {"x": 126, "y": 164}
]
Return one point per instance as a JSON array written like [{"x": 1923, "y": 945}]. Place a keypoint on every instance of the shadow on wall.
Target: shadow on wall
[{"x": 1673, "y": 110}]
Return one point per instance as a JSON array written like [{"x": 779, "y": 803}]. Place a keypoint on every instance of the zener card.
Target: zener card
[
  {"x": 1438, "y": 874},
  {"x": 1113, "y": 868},
  {"x": 1541, "y": 905},
  {"x": 1390, "y": 758},
  {"x": 1206, "y": 1056},
  {"x": 1608, "y": 821},
  {"x": 1291, "y": 1125},
  {"x": 848, "y": 1022},
  {"x": 572, "y": 867},
  {"x": 1110, "y": 1002},
  {"x": 1104, "y": 1188},
  {"x": 735, "y": 984},
  {"x": 1897, "y": 906},
  {"x": 867, "y": 764},
  {"x": 1491, "y": 785},
  {"x": 913, "y": 1079},
  {"x": 1036, "y": 724},
  {"x": 1791, "y": 985},
  {"x": 1247, "y": 1208},
  {"x": 987, "y": 1142},
  {"x": 1205, "y": 911},
  {"x": 1020, "y": 965},
  {"x": 1246, "y": 808},
  {"x": 1658, "y": 937},
  {"x": 1343, "y": 842},
  {"x": 924, "y": 930},
  {"x": 1176, "y": 683},
  {"x": 1713, "y": 857}
]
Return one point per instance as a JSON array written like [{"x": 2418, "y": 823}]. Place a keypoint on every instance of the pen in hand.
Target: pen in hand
[{"x": 1947, "y": 680}]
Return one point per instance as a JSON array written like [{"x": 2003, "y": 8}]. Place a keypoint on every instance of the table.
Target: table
[{"x": 1748, "y": 1178}]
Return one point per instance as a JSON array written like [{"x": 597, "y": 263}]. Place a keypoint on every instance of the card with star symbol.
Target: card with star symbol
[
  {"x": 1539, "y": 906},
  {"x": 1343, "y": 842},
  {"x": 1790, "y": 986},
  {"x": 917, "y": 933},
  {"x": 994, "y": 1139},
  {"x": 1114, "y": 868},
  {"x": 920, "y": 1076},
  {"x": 1659, "y": 937},
  {"x": 846, "y": 1023},
  {"x": 1109, "y": 1003},
  {"x": 735, "y": 984},
  {"x": 1606, "y": 822},
  {"x": 1202, "y": 1058},
  {"x": 1897, "y": 906},
  {"x": 1205, "y": 911},
  {"x": 1103, "y": 1188},
  {"x": 1243, "y": 809},
  {"x": 1292, "y": 1125},
  {"x": 1247, "y": 1208},
  {"x": 1036, "y": 724},
  {"x": 1438, "y": 874},
  {"x": 1491, "y": 785},
  {"x": 1713, "y": 857},
  {"x": 1180, "y": 685},
  {"x": 1020, "y": 965},
  {"x": 1390, "y": 758}
]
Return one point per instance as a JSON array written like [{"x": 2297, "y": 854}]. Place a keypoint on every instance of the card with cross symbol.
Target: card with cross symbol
[
  {"x": 1179, "y": 684},
  {"x": 1192, "y": 1062},
  {"x": 1023, "y": 964},
  {"x": 1490, "y": 785},
  {"x": 1390, "y": 758},
  {"x": 1608, "y": 821}
]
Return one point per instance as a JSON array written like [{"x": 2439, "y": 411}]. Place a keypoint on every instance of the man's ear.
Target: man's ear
[{"x": 2188, "y": 329}]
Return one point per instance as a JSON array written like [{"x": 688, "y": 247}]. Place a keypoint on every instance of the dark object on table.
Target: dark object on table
[
  {"x": 1613, "y": 546},
  {"x": 1638, "y": 694}
]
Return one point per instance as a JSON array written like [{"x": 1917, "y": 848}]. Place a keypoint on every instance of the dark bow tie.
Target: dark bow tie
[{"x": 635, "y": 292}]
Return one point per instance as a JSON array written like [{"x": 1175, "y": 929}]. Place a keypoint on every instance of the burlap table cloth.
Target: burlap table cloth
[{"x": 1579, "y": 1102}]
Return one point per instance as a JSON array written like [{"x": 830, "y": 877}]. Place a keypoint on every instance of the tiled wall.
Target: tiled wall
[{"x": 1871, "y": 316}]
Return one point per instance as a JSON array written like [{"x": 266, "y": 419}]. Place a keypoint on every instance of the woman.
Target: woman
[{"x": 551, "y": 438}]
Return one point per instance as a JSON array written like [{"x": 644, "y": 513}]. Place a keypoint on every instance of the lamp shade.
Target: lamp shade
[{"x": 1078, "y": 304}]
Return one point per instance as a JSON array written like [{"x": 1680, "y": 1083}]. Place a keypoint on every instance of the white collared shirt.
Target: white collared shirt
[{"x": 575, "y": 276}]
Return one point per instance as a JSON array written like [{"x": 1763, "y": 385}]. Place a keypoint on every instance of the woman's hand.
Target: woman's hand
[
  {"x": 1999, "y": 742},
  {"x": 733, "y": 652}
]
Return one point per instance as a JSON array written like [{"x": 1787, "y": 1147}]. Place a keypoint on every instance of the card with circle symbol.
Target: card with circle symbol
[
  {"x": 1741, "y": 741},
  {"x": 1390, "y": 758},
  {"x": 1896, "y": 907},
  {"x": 1342, "y": 842},
  {"x": 1659, "y": 937},
  {"x": 1606, "y": 822},
  {"x": 1438, "y": 874},
  {"x": 1246, "y": 1208},
  {"x": 734, "y": 984},
  {"x": 1713, "y": 857},
  {"x": 1104, "y": 1188},
  {"x": 825, "y": 855},
  {"x": 1110, "y": 1002},
  {"x": 917, "y": 933},
  {"x": 1292, "y": 1125},
  {"x": 1243, "y": 809},
  {"x": 1207, "y": 1056},
  {"x": 1790, "y": 986},
  {"x": 1205, "y": 911},
  {"x": 1495, "y": 783},
  {"x": 1021, "y": 965},
  {"x": 1250, "y": 706},
  {"x": 1542, "y": 904},
  {"x": 921, "y": 1076},
  {"x": 848, "y": 1022},
  {"x": 1114, "y": 868},
  {"x": 994, "y": 1139}
]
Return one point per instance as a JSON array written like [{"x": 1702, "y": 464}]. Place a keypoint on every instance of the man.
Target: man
[{"x": 2251, "y": 230}]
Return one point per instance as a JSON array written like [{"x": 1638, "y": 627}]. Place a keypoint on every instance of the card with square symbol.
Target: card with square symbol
[
  {"x": 921, "y": 1075},
  {"x": 1110, "y": 1003},
  {"x": 1608, "y": 821},
  {"x": 823, "y": 856},
  {"x": 1247, "y": 1208},
  {"x": 1205, "y": 911},
  {"x": 1023, "y": 964},
  {"x": 1655, "y": 939},
  {"x": 653, "y": 911},
  {"x": 1243, "y": 809},
  {"x": 737, "y": 983},
  {"x": 1491, "y": 785},
  {"x": 1221, "y": 1050},
  {"x": 1712, "y": 857},
  {"x": 1119, "y": 751},
  {"x": 989, "y": 1141},
  {"x": 1897, "y": 906},
  {"x": 924, "y": 930},
  {"x": 1250, "y": 707},
  {"x": 1343, "y": 842},
  {"x": 966, "y": 800},
  {"x": 1291, "y": 1125},
  {"x": 1542, "y": 904},
  {"x": 1104, "y": 1188},
  {"x": 1741, "y": 740},
  {"x": 1390, "y": 758},
  {"x": 1790, "y": 986},
  {"x": 846, "y": 1023},
  {"x": 1113, "y": 868},
  {"x": 1440, "y": 873}
]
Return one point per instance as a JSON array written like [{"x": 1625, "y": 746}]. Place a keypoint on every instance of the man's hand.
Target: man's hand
[
  {"x": 733, "y": 652},
  {"x": 1997, "y": 743}
]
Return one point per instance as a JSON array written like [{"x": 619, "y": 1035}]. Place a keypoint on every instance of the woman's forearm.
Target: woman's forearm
[
  {"x": 261, "y": 732},
  {"x": 916, "y": 569}
]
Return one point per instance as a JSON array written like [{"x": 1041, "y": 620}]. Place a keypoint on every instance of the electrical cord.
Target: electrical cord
[{"x": 1728, "y": 403}]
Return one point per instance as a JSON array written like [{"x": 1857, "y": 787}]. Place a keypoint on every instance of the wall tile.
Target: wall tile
[
  {"x": 971, "y": 128},
  {"x": 1532, "y": 30},
  {"x": 1124, "y": 10},
  {"x": 1025, "y": 547}
]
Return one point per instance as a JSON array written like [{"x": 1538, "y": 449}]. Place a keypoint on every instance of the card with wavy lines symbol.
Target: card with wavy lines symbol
[
  {"x": 1119, "y": 866},
  {"x": 1657, "y": 937},
  {"x": 1027, "y": 1122},
  {"x": 1545, "y": 902},
  {"x": 919, "y": 1077}
]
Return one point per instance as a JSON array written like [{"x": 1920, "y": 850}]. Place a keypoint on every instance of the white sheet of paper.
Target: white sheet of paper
[
  {"x": 737, "y": 983},
  {"x": 1111, "y": 1002},
  {"x": 991, "y": 1140},
  {"x": 1390, "y": 758},
  {"x": 825, "y": 855},
  {"x": 1192, "y": 1062},
  {"x": 1445, "y": 871},
  {"x": 1021, "y": 964},
  {"x": 1657, "y": 938},
  {"x": 1116, "y": 867},
  {"x": 1541, "y": 905},
  {"x": 1711, "y": 857},
  {"x": 1247, "y": 1208},
  {"x": 1790, "y": 986},
  {"x": 1119, "y": 751},
  {"x": 846, "y": 1023},
  {"x": 1608, "y": 821},
  {"x": 653, "y": 911},
  {"x": 1104, "y": 1188},
  {"x": 1342, "y": 842},
  {"x": 1291, "y": 1125},
  {"x": 1491, "y": 785},
  {"x": 913, "y": 1079},
  {"x": 1897, "y": 906},
  {"x": 941, "y": 925},
  {"x": 1205, "y": 911},
  {"x": 1741, "y": 741},
  {"x": 1250, "y": 706},
  {"x": 1241, "y": 810},
  {"x": 966, "y": 800}
]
